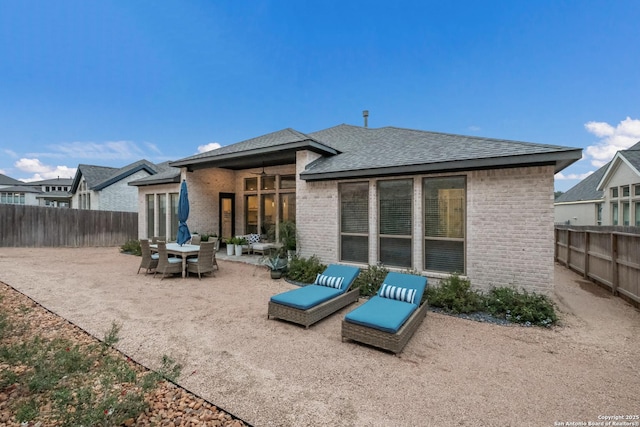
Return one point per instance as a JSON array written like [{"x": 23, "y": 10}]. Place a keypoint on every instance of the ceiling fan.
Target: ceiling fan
[{"x": 263, "y": 173}]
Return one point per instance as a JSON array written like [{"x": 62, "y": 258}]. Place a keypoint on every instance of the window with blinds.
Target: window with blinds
[
  {"x": 354, "y": 222},
  {"x": 444, "y": 224},
  {"x": 395, "y": 201}
]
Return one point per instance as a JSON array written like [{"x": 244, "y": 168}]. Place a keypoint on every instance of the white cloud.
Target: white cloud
[
  {"x": 612, "y": 139},
  {"x": 42, "y": 171},
  {"x": 119, "y": 150},
  {"x": 208, "y": 147},
  {"x": 10, "y": 153},
  {"x": 578, "y": 176}
]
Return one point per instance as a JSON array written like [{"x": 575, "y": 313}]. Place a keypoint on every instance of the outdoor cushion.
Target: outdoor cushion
[
  {"x": 409, "y": 281},
  {"x": 174, "y": 260},
  {"x": 348, "y": 273},
  {"x": 384, "y": 314},
  {"x": 306, "y": 297},
  {"x": 398, "y": 293},
  {"x": 192, "y": 260},
  {"x": 155, "y": 256},
  {"x": 330, "y": 281}
]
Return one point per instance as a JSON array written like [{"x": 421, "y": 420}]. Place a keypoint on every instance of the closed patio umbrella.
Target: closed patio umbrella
[{"x": 183, "y": 214}]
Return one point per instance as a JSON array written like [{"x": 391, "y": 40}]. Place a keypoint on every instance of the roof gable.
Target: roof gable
[
  {"x": 630, "y": 157},
  {"x": 7, "y": 180},
  {"x": 99, "y": 177}
]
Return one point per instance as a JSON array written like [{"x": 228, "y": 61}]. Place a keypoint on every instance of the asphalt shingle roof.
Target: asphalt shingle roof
[
  {"x": 585, "y": 189},
  {"x": 7, "y": 180}
]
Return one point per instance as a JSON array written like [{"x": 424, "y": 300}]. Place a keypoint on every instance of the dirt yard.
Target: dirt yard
[{"x": 454, "y": 372}]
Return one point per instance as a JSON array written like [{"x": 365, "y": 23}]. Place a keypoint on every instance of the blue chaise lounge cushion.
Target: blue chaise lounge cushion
[
  {"x": 306, "y": 297},
  {"x": 380, "y": 313}
]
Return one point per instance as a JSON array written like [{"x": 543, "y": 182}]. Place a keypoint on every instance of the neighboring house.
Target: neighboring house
[
  {"x": 409, "y": 199},
  {"x": 609, "y": 196},
  {"x": 50, "y": 192},
  {"x": 106, "y": 188},
  {"x": 158, "y": 202}
]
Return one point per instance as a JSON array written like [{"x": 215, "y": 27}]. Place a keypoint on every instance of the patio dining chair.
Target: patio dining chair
[
  {"x": 149, "y": 260},
  {"x": 166, "y": 264},
  {"x": 204, "y": 262}
]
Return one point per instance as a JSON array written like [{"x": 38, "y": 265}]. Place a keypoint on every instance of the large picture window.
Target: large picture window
[
  {"x": 354, "y": 222},
  {"x": 395, "y": 222},
  {"x": 173, "y": 216},
  {"x": 251, "y": 214},
  {"x": 162, "y": 215},
  {"x": 444, "y": 224}
]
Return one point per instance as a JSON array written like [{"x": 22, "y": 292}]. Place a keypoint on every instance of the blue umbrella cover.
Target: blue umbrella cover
[{"x": 183, "y": 214}]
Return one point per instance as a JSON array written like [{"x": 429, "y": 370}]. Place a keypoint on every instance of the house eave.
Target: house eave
[
  {"x": 558, "y": 161},
  {"x": 265, "y": 156},
  {"x": 139, "y": 183}
]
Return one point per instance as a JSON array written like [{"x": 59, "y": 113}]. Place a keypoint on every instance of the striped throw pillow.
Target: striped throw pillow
[
  {"x": 330, "y": 281},
  {"x": 398, "y": 293}
]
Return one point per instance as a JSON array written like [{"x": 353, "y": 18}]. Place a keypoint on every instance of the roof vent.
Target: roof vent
[{"x": 365, "y": 114}]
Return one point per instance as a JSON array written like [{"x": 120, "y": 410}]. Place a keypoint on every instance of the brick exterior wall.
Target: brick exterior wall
[
  {"x": 118, "y": 196},
  {"x": 510, "y": 228}
]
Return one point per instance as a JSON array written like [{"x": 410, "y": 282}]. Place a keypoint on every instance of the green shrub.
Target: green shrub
[
  {"x": 520, "y": 306},
  {"x": 370, "y": 279},
  {"x": 132, "y": 247},
  {"x": 454, "y": 295},
  {"x": 305, "y": 270}
]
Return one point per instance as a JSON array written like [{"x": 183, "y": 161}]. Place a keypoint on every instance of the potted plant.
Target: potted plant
[
  {"x": 287, "y": 234},
  {"x": 239, "y": 242},
  {"x": 277, "y": 263},
  {"x": 230, "y": 245}
]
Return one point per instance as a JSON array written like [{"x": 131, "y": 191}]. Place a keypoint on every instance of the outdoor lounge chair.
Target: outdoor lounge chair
[
  {"x": 309, "y": 304},
  {"x": 204, "y": 262},
  {"x": 167, "y": 265},
  {"x": 389, "y": 318}
]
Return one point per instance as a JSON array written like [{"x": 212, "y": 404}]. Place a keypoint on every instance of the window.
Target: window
[
  {"x": 12, "y": 198},
  {"x": 637, "y": 214},
  {"x": 395, "y": 200},
  {"x": 625, "y": 191},
  {"x": 599, "y": 213},
  {"x": 162, "y": 215},
  {"x": 268, "y": 212},
  {"x": 151, "y": 224},
  {"x": 614, "y": 213},
  {"x": 444, "y": 224},
  {"x": 268, "y": 182},
  {"x": 173, "y": 215},
  {"x": 625, "y": 213},
  {"x": 636, "y": 190},
  {"x": 614, "y": 192},
  {"x": 251, "y": 214},
  {"x": 288, "y": 207},
  {"x": 354, "y": 222},
  {"x": 250, "y": 184},
  {"x": 287, "y": 182}
]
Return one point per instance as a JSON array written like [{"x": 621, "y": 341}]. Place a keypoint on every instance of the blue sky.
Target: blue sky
[{"x": 111, "y": 82}]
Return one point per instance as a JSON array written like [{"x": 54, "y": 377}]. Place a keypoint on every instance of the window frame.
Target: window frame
[
  {"x": 342, "y": 234},
  {"x": 380, "y": 236}
]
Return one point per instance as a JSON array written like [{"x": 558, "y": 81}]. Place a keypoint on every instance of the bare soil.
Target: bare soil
[{"x": 453, "y": 372}]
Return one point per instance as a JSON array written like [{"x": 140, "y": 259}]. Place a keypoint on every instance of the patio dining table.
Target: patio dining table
[{"x": 182, "y": 251}]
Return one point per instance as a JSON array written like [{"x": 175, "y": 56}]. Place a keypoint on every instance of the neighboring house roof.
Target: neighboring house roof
[
  {"x": 353, "y": 151},
  {"x": 630, "y": 156},
  {"x": 166, "y": 175},
  {"x": 585, "y": 190},
  {"x": 6, "y": 180},
  {"x": 54, "y": 181},
  {"x": 99, "y": 177},
  {"x": 22, "y": 189}
]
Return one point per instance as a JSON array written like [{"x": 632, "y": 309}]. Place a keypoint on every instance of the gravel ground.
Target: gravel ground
[{"x": 453, "y": 372}]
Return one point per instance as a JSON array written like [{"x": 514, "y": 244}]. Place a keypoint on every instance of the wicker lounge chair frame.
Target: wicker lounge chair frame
[
  {"x": 386, "y": 340},
  {"x": 314, "y": 314}
]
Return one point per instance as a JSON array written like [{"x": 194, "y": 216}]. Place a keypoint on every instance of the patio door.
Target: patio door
[{"x": 227, "y": 215}]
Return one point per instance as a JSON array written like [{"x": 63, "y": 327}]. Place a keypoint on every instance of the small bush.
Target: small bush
[
  {"x": 370, "y": 280},
  {"x": 520, "y": 307},
  {"x": 305, "y": 270},
  {"x": 454, "y": 295},
  {"x": 132, "y": 247}
]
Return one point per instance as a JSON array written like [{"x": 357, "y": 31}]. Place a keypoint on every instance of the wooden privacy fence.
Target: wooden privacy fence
[
  {"x": 604, "y": 255},
  {"x": 36, "y": 226}
]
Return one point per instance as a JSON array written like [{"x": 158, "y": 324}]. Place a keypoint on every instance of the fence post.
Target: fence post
[
  {"x": 614, "y": 264},
  {"x": 586, "y": 254},
  {"x": 568, "y": 261}
]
